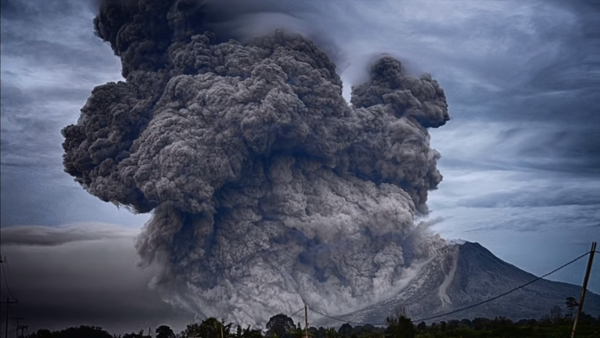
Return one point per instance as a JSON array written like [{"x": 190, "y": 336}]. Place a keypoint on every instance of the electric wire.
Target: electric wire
[
  {"x": 6, "y": 282},
  {"x": 343, "y": 320},
  {"x": 470, "y": 306},
  {"x": 295, "y": 313},
  {"x": 13, "y": 321},
  {"x": 505, "y": 293}
]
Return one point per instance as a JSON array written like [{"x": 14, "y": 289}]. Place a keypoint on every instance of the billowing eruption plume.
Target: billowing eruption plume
[{"x": 268, "y": 189}]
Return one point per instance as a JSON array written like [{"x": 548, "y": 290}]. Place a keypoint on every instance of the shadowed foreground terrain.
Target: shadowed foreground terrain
[{"x": 552, "y": 325}]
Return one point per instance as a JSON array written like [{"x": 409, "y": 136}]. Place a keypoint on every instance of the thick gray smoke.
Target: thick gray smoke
[{"x": 268, "y": 190}]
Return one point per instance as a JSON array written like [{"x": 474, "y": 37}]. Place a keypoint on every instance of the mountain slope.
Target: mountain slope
[{"x": 463, "y": 274}]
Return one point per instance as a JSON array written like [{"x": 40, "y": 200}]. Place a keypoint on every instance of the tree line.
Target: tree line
[{"x": 557, "y": 323}]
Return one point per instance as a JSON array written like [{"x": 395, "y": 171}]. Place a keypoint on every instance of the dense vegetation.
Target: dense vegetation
[{"x": 555, "y": 324}]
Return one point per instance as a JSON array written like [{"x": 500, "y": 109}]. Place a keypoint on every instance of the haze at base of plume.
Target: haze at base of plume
[{"x": 268, "y": 189}]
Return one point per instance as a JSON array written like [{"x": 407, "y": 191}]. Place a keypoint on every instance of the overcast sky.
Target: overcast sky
[{"x": 520, "y": 157}]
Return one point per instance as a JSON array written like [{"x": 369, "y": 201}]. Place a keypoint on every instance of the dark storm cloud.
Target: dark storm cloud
[
  {"x": 29, "y": 128},
  {"x": 533, "y": 68},
  {"x": 24, "y": 10},
  {"x": 540, "y": 197},
  {"x": 44, "y": 53},
  {"x": 487, "y": 187},
  {"x": 553, "y": 95},
  {"x": 521, "y": 219},
  {"x": 46, "y": 47},
  {"x": 50, "y": 54}
]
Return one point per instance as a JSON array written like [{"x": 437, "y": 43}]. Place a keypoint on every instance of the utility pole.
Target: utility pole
[
  {"x": 584, "y": 288},
  {"x": 18, "y": 320},
  {"x": 23, "y": 328},
  {"x": 306, "y": 319},
  {"x": 1, "y": 262},
  {"x": 8, "y": 303}
]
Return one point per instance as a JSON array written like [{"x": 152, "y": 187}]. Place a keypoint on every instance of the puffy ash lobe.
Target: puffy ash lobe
[{"x": 268, "y": 189}]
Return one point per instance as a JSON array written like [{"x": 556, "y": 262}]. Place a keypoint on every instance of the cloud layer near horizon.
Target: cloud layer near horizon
[{"x": 82, "y": 274}]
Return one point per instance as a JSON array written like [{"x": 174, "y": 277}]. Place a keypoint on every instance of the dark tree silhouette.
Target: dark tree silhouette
[
  {"x": 280, "y": 325},
  {"x": 401, "y": 327},
  {"x": 164, "y": 331},
  {"x": 345, "y": 330},
  {"x": 571, "y": 304}
]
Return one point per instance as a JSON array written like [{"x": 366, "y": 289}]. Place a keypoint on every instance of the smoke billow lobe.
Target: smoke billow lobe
[{"x": 267, "y": 189}]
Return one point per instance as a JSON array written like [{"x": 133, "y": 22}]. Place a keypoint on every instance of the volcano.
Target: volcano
[{"x": 463, "y": 274}]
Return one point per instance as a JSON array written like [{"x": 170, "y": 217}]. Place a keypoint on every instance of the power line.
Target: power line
[
  {"x": 8, "y": 302},
  {"x": 295, "y": 313},
  {"x": 505, "y": 293},
  {"x": 470, "y": 306},
  {"x": 6, "y": 282},
  {"x": 23, "y": 328},
  {"x": 342, "y": 320}
]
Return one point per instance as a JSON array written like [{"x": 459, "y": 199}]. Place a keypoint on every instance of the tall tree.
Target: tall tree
[
  {"x": 281, "y": 325},
  {"x": 164, "y": 331},
  {"x": 401, "y": 327},
  {"x": 209, "y": 328},
  {"x": 571, "y": 304},
  {"x": 556, "y": 314}
]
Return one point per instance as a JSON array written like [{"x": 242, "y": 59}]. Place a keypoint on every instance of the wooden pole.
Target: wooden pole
[
  {"x": 22, "y": 328},
  {"x": 1, "y": 261},
  {"x": 306, "y": 320},
  {"x": 18, "y": 320},
  {"x": 6, "y": 327},
  {"x": 8, "y": 304},
  {"x": 584, "y": 288}
]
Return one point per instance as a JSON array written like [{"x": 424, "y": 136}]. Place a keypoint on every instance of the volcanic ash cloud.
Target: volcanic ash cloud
[{"x": 267, "y": 189}]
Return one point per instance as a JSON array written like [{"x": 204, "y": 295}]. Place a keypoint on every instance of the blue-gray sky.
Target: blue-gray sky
[{"x": 520, "y": 157}]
